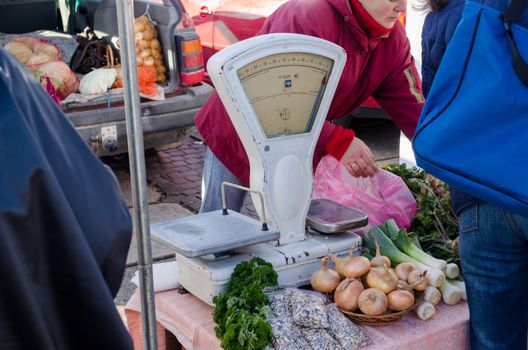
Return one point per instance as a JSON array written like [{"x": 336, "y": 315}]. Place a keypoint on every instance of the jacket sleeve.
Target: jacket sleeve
[
  {"x": 428, "y": 66},
  {"x": 400, "y": 95},
  {"x": 437, "y": 31}
]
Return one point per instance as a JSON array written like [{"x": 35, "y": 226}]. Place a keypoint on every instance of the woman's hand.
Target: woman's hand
[{"x": 358, "y": 159}]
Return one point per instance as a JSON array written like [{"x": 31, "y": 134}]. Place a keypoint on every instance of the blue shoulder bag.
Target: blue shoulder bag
[{"x": 473, "y": 131}]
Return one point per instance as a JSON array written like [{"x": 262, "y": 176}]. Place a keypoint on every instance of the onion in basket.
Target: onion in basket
[
  {"x": 400, "y": 300},
  {"x": 347, "y": 293},
  {"x": 324, "y": 280},
  {"x": 372, "y": 302}
]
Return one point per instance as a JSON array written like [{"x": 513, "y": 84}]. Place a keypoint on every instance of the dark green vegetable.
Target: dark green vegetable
[{"x": 240, "y": 311}]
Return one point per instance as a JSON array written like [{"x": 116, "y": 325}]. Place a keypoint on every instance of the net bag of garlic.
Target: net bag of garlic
[{"x": 148, "y": 48}]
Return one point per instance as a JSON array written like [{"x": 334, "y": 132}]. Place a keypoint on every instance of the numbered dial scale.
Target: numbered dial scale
[
  {"x": 277, "y": 89},
  {"x": 284, "y": 90}
]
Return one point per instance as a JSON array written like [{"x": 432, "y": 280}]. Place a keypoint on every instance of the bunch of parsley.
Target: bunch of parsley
[{"x": 240, "y": 311}]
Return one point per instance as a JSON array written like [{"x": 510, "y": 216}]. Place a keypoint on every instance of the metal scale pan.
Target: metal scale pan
[
  {"x": 327, "y": 216},
  {"x": 211, "y": 232}
]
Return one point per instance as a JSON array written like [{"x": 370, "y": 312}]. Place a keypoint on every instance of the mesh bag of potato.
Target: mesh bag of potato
[{"x": 148, "y": 48}]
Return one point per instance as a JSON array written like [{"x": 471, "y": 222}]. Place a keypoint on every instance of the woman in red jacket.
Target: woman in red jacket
[{"x": 379, "y": 64}]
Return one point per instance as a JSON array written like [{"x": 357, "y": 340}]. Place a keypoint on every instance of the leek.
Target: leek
[
  {"x": 451, "y": 294},
  {"x": 425, "y": 310},
  {"x": 432, "y": 295},
  {"x": 452, "y": 270},
  {"x": 405, "y": 244},
  {"x": 461, "y": 285}
]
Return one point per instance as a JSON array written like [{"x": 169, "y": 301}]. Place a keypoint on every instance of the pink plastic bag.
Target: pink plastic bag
[{"x": 383, "y": 196}]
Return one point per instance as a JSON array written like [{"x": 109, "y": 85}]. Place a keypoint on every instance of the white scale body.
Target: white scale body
[{"x": 277, "y": 89}]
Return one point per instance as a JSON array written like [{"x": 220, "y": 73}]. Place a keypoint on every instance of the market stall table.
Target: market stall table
[{"x": 186, "y": 322}]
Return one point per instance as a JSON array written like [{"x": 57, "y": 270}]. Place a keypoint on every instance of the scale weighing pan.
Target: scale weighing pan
[
  {"x": 211, "y": 232},
  {"x": 327, "y": 216}
]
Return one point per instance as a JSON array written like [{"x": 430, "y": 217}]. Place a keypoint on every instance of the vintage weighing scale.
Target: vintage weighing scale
[{"x": 277, "y": 89}]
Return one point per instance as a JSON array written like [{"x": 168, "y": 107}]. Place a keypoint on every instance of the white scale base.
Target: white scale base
[{"x": 294, "y": 262}]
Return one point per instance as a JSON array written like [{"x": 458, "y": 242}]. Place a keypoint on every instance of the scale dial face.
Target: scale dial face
[{"x": 285, "y": 90}]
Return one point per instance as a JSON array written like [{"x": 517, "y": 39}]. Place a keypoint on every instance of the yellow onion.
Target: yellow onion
[
  {"x": 324, "y": 280},
  {"x": 373, "y": 302},
  {"x": 347, "y": 293},
  {"x": 149, "y": 61},
  {"x": 155, "y": 44},
  {"x": 156, "y": 53},
  {"x": 417, "y": 278},
  {"x": 150, "y": 33},
  {"x": 139, "y": 27},
  {"x": 356, "y": 267},
  {"x": 139, "y": 36},
  {"x": 400, "y": 300},
  {"x": 339, "y": 263},
  {"x": 145, "y": 53},
  {"x": 379, "y": 260},
  {"x": 403, "y": 270},
  {"x": 142, "y": 44},
  {"x": 158, "y": 61},
  {"x": 384, "y": 278},
  {"x": 160, "y": 69},
  {"x": 161, "y": 78}
]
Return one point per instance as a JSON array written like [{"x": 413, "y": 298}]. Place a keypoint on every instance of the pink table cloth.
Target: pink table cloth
[{"x": 190, "y": 321}]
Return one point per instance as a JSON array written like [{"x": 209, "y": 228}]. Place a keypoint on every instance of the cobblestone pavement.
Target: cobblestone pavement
[
  {"x": 178, "y": 173},
  {"x": 174, "y": 174}
]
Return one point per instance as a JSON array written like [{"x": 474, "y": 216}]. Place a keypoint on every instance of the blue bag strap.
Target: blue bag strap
[{"x": 511, "y": 16}]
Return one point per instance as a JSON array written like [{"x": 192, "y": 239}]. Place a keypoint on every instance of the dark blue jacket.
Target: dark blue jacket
[
  {"x": 65, "y": 227},
  {"x": 437, "y": 31}
]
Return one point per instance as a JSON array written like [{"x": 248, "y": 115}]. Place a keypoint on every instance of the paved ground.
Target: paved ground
[{"x": 174, "y": 183}]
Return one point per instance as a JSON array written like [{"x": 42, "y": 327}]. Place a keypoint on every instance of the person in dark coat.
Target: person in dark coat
[
  {"x": 65, "y": 228},
  {"x": 493, "y": 240}
]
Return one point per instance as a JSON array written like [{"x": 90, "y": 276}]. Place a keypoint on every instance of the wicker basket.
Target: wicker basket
[{"x": 381, "y": 320}]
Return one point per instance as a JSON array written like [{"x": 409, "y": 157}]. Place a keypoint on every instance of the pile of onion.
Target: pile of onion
[
  {"x": 148, "y": 47},
  {"x": 369, "y": 286}
]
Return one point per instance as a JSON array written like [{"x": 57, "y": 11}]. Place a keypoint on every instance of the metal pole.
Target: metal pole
[{"x": 125, "y": 21}]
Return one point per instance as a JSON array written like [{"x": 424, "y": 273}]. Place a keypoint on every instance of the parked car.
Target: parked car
[
  {"x": 221, "y": 23},
  {"x": 101, "y": 123}
]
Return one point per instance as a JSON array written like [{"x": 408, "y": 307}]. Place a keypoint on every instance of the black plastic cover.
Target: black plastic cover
[{"x": 64, "y": 227}]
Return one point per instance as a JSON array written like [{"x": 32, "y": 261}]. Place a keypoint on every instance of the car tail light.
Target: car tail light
[{"x": 190, "y": 59}]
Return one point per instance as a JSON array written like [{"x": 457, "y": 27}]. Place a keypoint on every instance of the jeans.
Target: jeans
[
  {"x": 494, "y": 256},
  {"x": 214, "y": 174}
]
